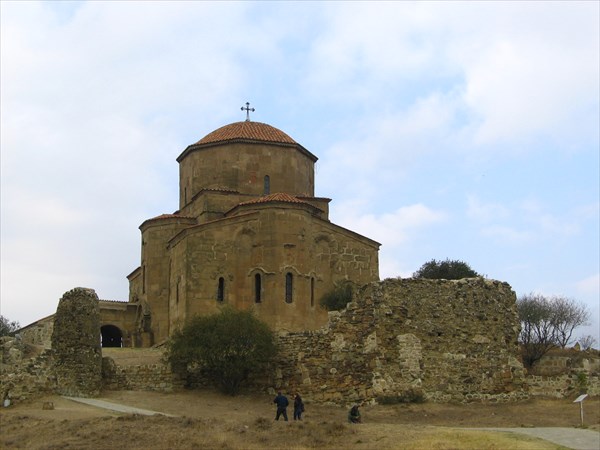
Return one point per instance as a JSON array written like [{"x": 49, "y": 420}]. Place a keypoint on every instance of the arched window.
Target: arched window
[
  {"x": 257, "y": 288},
  {"x": 143, "y": 278},
  {"x": 221, "y": 290},
  {"x": 289, "y": 287},
  {"x": 312, "y": 291},
  {"x": 267, "y": 185}
]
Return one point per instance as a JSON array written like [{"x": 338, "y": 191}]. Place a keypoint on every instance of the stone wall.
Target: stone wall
[
  {"x": 563, "y": 361},
  {"x": 25, "y": 370},
  {"x": 76, "y": 344},
  {"x": 563, "y": 386},
  {"x": 398, "y": 340},
  {"x": 444, "y": 340},
  {"x": 39, "y": 332},
  {"x": 563, "y": 373},
  {"x": 139, "y": 377}
]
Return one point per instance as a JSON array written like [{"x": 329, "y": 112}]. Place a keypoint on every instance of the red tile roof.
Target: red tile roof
[
  {"x": 255, "y": 131},
  {"x": 164, "y": 216},
  {"x": 277, "y": 197},
  {"x": 169, "y": 216}
]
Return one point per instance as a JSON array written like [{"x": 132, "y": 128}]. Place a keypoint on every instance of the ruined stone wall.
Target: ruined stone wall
[
  {"x": 400, "y": 339},
  {"x": 39, "y": 332},
  {"x": 563, "y": 386},
  {"x": 446, "y": 340},
  {"x": 563, "y": 373},
  {"x": 24, "y": 371},
  {"x": 562, "y": 361},
  {"x": 76, "y": 344},
  {"x": 139, "y": 377}
]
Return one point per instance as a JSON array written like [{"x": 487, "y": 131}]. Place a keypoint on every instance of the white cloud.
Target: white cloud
[
  {"x": 352, "y": 44},
  {"x": 557, "y": 226},
  {"x": 521, "y": 87},
  {"x": 590, "y": 286},
  {"x": 507, "y": 234},
  {"x": 390, "y": 229},
  {"x": 526, "y": 220},
  {"x": 535, "y": 214},
  {"x": 485, "y": 212},
  {"x": 519, "y": 70}
]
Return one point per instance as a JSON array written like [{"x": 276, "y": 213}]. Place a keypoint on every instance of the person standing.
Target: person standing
[
  {"x": 298, "y": 407},
  {"x": 282, "y": 403}
]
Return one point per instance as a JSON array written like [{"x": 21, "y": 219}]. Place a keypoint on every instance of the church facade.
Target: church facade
[{"x": 249, "y": 233}]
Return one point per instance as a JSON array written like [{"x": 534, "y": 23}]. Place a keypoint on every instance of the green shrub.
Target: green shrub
[
  {"x": 7, "y": 327},
  {"x": 227, "y": 347},
  {"x": 582, "y": 382},
  {"x": 447, "y": 270}
]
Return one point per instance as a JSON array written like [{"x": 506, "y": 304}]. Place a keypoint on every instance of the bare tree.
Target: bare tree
[
  {"x": 567, "y": 315},
  {"x": 537, "y": 334},
  {"x": 547, "y": 323},
  {"x": 587, "y": 342}
]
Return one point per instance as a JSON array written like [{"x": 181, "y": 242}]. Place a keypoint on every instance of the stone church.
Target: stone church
[{"x": 249, "y": 233}]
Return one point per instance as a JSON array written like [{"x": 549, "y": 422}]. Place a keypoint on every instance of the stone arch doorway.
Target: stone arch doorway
[{"x": 111, "y": 336}]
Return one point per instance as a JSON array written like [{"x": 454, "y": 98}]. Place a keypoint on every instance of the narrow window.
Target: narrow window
[
  {"x": 144, "y": 279},
  {"x": 257, "y": 288},
  {"x": 289, "y": 280},
  {"x": 221, "y": 290},
  {"x": 267, "y": 186},
  {"x": 312, "y": 292}
]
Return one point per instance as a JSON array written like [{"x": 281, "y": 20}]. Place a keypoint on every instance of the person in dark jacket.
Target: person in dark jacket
[
  {"x": 282, "y": 403},
  {"x": 298, "y": 407},
  {"x": 354, "y": 415}
]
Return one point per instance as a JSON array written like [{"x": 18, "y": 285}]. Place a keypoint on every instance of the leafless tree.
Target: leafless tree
[
  {"x": 547, "y": 323},
  {"x": 567, "y": 315},
  {"x": 537, "y": 334},
  {"x": 587, "y": 342}
]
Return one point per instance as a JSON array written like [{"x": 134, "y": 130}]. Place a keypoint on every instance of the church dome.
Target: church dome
[{"x": 247, "y": 131}]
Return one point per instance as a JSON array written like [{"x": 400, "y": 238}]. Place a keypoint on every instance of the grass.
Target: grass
[
  {"x": 442, "y": 439},
  {"x": 212, "y": 421},
  {"x": 160, "y": 432}
]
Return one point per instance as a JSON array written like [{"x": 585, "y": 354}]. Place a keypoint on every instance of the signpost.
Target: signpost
[{"x": 580, "y": 401}]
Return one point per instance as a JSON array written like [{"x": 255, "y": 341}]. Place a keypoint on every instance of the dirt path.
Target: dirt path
[{"x": 575, "y": 438}]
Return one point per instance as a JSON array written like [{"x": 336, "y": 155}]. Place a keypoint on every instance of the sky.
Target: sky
[{"x": 460, "y": 130}]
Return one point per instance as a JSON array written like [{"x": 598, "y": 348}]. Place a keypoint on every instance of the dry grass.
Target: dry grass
[
  {"x": 440, "y": 438},
  {"x": 207, "y": 420},
  {"x": 160, "y": 432}
]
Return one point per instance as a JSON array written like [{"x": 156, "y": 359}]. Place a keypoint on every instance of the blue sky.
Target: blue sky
[{"x": 461, "y": 130}]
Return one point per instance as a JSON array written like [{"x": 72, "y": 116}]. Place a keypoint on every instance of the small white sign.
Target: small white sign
[{"x": 580, "y": 398}]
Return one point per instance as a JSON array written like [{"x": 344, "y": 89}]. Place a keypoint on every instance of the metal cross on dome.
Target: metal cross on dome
[{"x": 247, "y": 109}]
